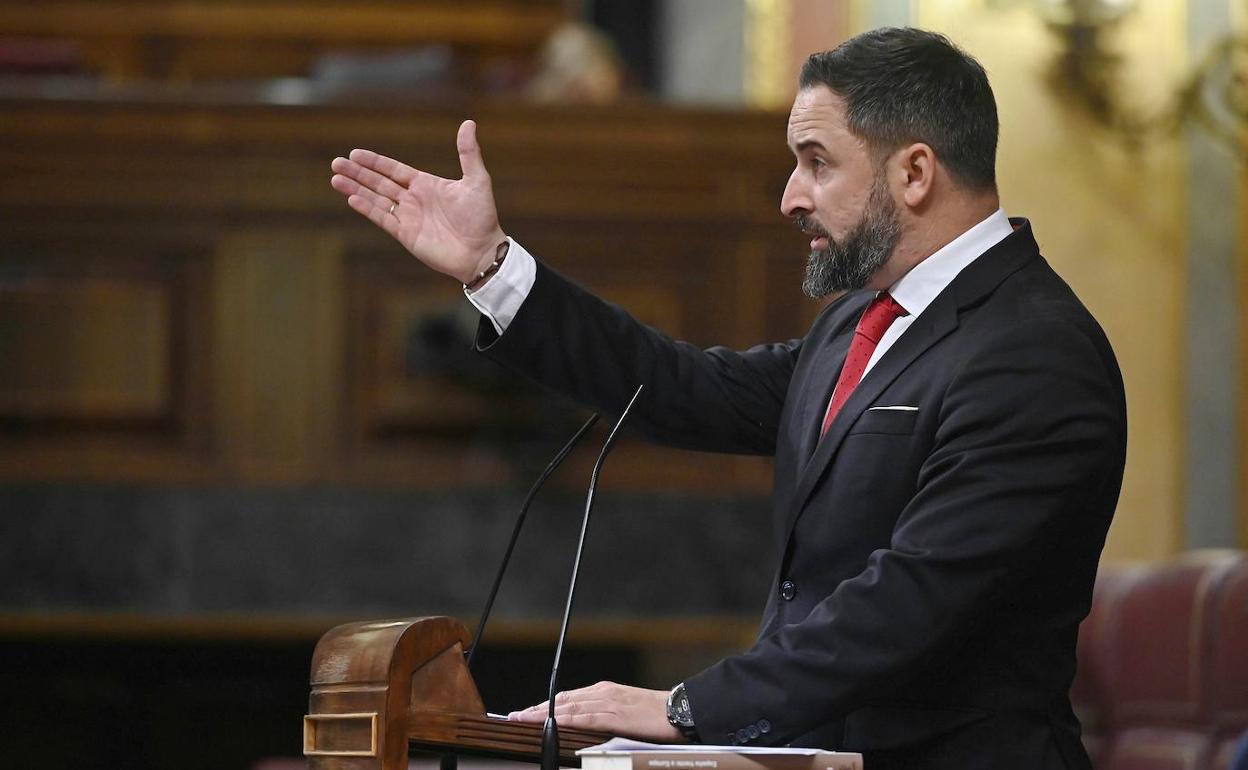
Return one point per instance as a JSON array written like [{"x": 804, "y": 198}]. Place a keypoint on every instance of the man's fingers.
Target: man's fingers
[
  {"x": 353, "y": 190},
  {"x": 376, "y": 214},
  {"x": 586, "y": 714},
  {"x": 610, "y": 708},
  {"x": 374, "y": 181},
  {"x": 564, "y": 705},
  {"x": 344, "y": 184},
  {"x": 575, "y": 705},
  {"x": 401, "y": 173},
  {"x": 470, "y": 160},
  {"x": 531, "y": 714}
]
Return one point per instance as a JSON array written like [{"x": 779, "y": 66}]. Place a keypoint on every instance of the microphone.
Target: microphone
[
  {"x": 515, "y": 532},
  {"x": 449, "y": 761},
  {"x": 550, "y": 730}
]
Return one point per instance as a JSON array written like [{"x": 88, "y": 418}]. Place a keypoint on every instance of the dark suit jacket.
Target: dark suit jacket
[{"x": 934, "y": 562}]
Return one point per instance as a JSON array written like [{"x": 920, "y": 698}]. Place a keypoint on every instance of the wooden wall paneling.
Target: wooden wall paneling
[
  {"x": 753, "y": 327},
  {"x": 497, "y": 22},
  {"x": 104, "y": 345},
  {"x": 418, "y": 331},
  {"x": 280, "y": 309},
  {"x": 637, "y": 168},
  {"x": 653, "y": 207},
  {"x": 751, "y": 284},
  {"x": 91, "y": 350},
  {"x": 421, "y": 406},
  {"x": 203, "y": 40}
]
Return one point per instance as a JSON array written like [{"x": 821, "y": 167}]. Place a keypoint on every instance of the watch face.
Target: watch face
[{"x": 678, "y": 712}]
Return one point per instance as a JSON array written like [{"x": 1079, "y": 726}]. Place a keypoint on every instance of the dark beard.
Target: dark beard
[{"x": 849, "y": 264}]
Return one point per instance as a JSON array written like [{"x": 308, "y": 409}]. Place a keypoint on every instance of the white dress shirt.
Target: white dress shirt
[
  {"x": 916, "y": 289},
  {"x": 500, "y": 297}
]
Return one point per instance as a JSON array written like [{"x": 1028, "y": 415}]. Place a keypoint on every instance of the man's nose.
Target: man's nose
[{"x": 796, "y": 199}]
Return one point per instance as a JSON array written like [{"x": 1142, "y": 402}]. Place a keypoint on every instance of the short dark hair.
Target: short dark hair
[{"x": 903, "y": 85}]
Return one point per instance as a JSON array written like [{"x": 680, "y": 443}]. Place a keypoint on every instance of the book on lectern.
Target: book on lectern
[{"x": 625, "y": 754}]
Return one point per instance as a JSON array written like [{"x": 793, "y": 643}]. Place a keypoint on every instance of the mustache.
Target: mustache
[{"x": 809, "y": 225}]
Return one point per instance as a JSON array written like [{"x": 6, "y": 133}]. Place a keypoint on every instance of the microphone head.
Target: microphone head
[{"x": 550, "y": 744}]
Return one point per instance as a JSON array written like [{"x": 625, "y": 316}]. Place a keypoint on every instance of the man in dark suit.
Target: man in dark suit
[{"x": 949, "y": 436}]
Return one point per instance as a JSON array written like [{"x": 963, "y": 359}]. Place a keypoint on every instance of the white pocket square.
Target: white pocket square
[{"x": 893, "y": 409}]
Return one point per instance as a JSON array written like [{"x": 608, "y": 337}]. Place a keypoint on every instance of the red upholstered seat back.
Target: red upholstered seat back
[
  {"x": 1163, "y": 663},
  {"x": 1089, "y": 693},
  {"x": 1228, "y": 656}
]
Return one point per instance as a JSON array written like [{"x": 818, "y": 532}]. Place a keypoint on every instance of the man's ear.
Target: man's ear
[{"x": 916, "y": 168}]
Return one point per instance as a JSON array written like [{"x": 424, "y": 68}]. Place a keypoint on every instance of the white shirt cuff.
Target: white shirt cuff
[{"x": 500, "y": 297}]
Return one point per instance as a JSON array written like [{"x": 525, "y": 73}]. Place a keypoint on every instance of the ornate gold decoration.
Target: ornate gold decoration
[
  {"x": 1087, "y": 68},
  {"x": 1214, "y": 95},
  {"x": 1217, "y": 94}
]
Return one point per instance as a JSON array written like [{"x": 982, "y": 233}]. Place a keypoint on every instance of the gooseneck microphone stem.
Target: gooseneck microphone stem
[
  {"x": 550, "y": 730},
  {"x": 515, "y": 532},
  {"x": 449, "y": 761}
]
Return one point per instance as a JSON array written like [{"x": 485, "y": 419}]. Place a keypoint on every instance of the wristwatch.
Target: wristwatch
[{"x": 679, "y": 714}]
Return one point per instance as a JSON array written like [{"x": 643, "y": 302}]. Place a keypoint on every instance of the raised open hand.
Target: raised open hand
[{"x": 450, "y": 225}]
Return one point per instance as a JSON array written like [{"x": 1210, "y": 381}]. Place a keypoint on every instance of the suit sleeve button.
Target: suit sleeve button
[
  {"x": 753, "y": 732},
  {"x": 743, "y": 735},
  {"x": 764, "y": 726},
  {"x": 788, "y": 590}
]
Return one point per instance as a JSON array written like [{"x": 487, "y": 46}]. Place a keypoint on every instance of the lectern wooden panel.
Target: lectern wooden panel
[{"x": 381, "y": 689}]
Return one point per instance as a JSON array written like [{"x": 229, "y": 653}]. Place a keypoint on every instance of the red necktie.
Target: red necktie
[{"x": 879, "y": 315}]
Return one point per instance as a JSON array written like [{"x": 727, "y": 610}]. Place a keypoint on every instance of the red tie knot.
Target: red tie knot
[{"x": 880, "y": 315}]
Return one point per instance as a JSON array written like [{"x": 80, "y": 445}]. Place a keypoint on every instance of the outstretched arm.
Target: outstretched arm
[
  {"x": 450, "y": 225},
  {"x": 727, "y": 401}
]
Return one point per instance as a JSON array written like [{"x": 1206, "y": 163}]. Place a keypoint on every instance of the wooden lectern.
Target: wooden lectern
[{"x": 383, "y": 688}]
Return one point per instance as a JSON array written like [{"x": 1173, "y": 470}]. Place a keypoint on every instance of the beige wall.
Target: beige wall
[
  {"x": 1239, "y": 21},
  {"x": 1242, "y": 277},
  {"x": 1111, "y": 220}
]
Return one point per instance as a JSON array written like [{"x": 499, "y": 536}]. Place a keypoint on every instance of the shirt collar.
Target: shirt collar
[{"x": 916, "y": 289}]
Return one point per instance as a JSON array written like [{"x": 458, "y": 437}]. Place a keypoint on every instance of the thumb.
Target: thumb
[{"x": 470, "y": 161}]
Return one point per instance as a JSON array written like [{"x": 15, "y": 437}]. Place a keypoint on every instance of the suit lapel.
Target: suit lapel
[
  {"x": 940, "y": 318},
  {"x": 824, "y": 375}
]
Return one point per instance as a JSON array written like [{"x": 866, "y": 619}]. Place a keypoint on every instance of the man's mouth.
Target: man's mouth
[{"x": 810, "y": 227}]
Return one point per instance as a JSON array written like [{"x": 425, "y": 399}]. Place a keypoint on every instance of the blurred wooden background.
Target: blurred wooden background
[
  {"x": 185, "y": 299},
  {"x": 200, "y": 40},
  {"x": 232, "y": 413}
]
